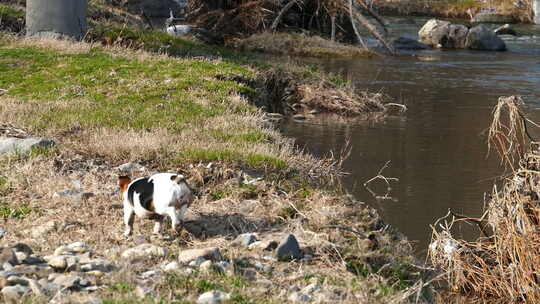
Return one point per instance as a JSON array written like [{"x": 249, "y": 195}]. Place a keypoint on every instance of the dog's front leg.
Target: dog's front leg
[
  {"x": 158, "y": 224},
  {"x": 175, "y": 220}
]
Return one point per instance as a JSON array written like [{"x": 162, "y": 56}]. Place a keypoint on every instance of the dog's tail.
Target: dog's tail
[{"x": 123, "y": 182}]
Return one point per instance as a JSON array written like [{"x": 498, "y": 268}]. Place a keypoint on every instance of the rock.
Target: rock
[
  {"x": 7, "y": 255},
  {"x": 183, "y": 30},
  {"x": 13, "y": 145},
  {"x": 2, "y": 233},
  {"x": 57, "y": 261},
  {"x": 40, "y": 231},
  {"x": 144, "y": 251},
  {"x": 98, "y": 265},
  {"x": 142, "y": 292},
  {"x": 40, "y": 270},
  {"x": 262, "y": 267},
  {"x": 245, "y": 239},
  {"x": 8, "y": 273},
  {"x": 70, "y": 281},
  {"x": 15, "y": 280},
  {"x": 438, "y": 33},
  {"x": 21, "y": 256},
  {"x": 150, "y": 274},
  {"x": 288, "y": 249},
  {"x": 311, "y": 288},
  {"x": 127, "y": 167},
  {"x": 14, "y": 294},
  {"x": 505, "y": 30},
  {"x": 197, "y": 262},
  {"x": 22, "y": 247},
  {"x": 404, "y": 43},
  {"x": 223, "y": 267},
  {"x": 207, "y": 266},
  {"x": 482, "y": 38},
  {"x": 491, "y": 17},
  {"x": 213, "y": 297},
  {"x": 298, "y": 297},
  {"x": 172, "y": 266},
  {"x": 264, "y": 245},
  {"x": 433, "y": 31},
  {"x": 189, "y": 255},
  {"x": 75, "y": 195}
]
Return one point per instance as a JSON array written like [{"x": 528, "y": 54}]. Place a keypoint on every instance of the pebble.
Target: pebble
[
  {"x": 7, "y": 255},
  {"x": 264, "y": 245},
  {"x": 14, "y": 294},
  {"x": 245, "y": 239},
  {"x": 288, "y": 249},
  {"x": 213, "y": 297},
  {"x": 207, "y": 266},
  {"x": 189, "y": 255},
  {"x": 311, "y": 288},
  {"x": 172, "y": 266},
  {"x": 297, "y": 297}
]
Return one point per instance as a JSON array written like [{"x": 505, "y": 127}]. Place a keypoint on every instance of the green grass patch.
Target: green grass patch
[
  {"x": 122, "y": 287},
  {"x": 20, "y": 212},
  {"x": 10, "y": 12}
]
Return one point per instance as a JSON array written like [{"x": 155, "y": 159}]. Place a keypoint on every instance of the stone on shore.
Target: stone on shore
[
  {"x": 187, "y": 256},
  {"x": 13, "y": 145},
  {"x": 288, "y": 249}
]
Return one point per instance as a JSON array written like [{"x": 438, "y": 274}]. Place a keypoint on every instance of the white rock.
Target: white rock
[
  {"x": 12, "y": 145},
  {"x": 206, "y": 266},
  {"x": 310, "y": 288},
  {"x": 213, "y": 297},
  {"x": 172, "y": 266},
  {"x": 14, "y": 294}
]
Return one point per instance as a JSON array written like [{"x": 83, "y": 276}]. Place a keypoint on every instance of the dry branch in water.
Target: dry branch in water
[
  {"x": 505, "y": 264},
  {"x": 387, "y": 180}
]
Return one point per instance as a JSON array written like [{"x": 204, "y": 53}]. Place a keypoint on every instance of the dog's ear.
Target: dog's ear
[
  {"x": 178, "y": 178},
  {"x": 123, "y": 182}
]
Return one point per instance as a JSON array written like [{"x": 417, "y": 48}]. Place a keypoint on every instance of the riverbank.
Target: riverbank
[
  {"x": 463, "y": 9},
  {"x": 115, "y": 102}
]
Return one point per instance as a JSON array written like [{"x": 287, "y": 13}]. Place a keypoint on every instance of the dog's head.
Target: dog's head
[{"x": 123, "y": 182}]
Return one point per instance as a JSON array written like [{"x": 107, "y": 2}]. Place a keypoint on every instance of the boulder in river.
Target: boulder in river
[{"x": 482, "y": 38}]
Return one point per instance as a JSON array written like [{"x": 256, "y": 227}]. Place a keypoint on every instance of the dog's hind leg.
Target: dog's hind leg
[{"x": 129, "y": 217}]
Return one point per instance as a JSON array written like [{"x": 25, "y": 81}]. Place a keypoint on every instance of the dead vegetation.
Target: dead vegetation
[
  {"x": 298, "y": 45},
  {"x": 503, "y": 263},
  {"x": 286, "y": 93},
  {"x": 336, "y": 19}
]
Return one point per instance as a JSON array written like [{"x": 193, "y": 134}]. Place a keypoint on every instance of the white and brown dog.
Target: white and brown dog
[{"x": 157, "y": 196}]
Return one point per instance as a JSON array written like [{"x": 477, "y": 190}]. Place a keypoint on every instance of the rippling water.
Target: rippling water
[{"x": 437, "y": 149}]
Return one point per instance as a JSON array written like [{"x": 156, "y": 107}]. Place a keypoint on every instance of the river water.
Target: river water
[{"x": 437, "y": 149}]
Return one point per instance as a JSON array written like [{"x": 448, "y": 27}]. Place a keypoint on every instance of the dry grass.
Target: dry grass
[
  {"x": 503, "y": 264},
  {"x": 299, "y": 45}
]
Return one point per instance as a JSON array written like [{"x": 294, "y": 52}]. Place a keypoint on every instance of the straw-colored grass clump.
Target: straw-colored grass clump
[{"x": 504, "y": 262}]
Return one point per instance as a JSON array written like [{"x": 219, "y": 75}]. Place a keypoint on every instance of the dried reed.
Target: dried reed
[{"x": 504, "y": 264}]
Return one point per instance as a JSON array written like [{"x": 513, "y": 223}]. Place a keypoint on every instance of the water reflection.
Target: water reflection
[{"x": 436, "y": 149}]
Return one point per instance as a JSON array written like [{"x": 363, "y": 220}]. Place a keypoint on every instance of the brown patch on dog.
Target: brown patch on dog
[{"x": 123, "y": 182}]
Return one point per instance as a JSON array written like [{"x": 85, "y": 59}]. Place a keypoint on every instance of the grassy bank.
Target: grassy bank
[{"x": 105, "y": 105}]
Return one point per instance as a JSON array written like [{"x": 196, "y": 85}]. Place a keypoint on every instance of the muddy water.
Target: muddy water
[{"x": 437, "y": 149}]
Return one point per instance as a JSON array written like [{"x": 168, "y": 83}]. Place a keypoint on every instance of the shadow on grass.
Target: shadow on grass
[{"x": 227, "y": 225}]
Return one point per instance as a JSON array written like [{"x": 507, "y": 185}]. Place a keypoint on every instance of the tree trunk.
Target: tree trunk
[
  {"x": 56, "y": 18},
  {"x": 536, "y": 11}
]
